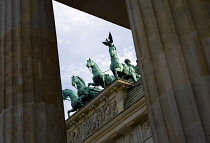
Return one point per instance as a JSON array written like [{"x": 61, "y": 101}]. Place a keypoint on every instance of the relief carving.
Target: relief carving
[
  {"x": 131, "y": 138},
  {"x": 146, "y": 129},
  {"x": 140, "y": 133},
  {"x": 92, "y": 123}
]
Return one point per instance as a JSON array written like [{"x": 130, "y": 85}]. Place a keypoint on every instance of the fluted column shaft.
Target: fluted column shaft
[
  {"x": 172, "y": 40},
  {"x": 31, "y": 108}
]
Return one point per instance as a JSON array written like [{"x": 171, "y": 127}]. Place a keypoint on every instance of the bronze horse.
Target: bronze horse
[{"x": 117, "y": 68}]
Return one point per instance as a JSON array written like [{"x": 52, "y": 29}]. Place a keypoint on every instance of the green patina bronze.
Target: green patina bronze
[
  {"x": 76, "y": 102},
  {"x": 131, "y": 68},
  {"x": 118, "y": 69},
  {"x": 85, "y": 93},
  {"x": 99, "y": 77},
  {"x": 136, "y": 68}
]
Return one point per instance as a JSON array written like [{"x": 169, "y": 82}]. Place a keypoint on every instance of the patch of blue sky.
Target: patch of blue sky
[{"x": 80, "y": 37}]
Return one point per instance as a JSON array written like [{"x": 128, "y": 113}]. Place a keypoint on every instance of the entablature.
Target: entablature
[
  {"x": 111, "y": 10},
  {"x": 105, "y": 117}
]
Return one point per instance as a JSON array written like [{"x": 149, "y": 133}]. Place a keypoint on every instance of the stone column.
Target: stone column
[
  {"x": 31, "y": 108},
  {"x": 172, "y": 39}
]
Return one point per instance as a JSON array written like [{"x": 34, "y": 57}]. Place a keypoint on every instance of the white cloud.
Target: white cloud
[
  {"x": 80, "y": 37},
  {"x": 128, "y": 53}
]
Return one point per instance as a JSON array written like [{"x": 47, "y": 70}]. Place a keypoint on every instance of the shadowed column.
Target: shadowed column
[
  {"x": 172, "y": 39},
  {"x": 31, "y": 107}
]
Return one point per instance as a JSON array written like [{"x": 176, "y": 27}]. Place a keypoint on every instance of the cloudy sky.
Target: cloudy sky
[{"x": 80, "y": 37}]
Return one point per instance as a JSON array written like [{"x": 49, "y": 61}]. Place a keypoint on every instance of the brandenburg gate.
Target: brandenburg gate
[{"x": 172, "y": 41}]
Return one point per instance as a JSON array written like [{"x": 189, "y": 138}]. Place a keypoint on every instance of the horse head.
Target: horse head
[
  {"x": 68, "y": 93},
  {"x": 76, "y": 80},
  {"x": 95, "y": 70},
  {"x": 90, "y": 63},
  {"x": 64, "y": 95},
  {"x": 112, "y": 51}
]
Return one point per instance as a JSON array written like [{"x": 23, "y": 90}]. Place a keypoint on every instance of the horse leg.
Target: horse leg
[
  {"x": 114, "y": 71},
  {"x": 72, "y": 110},
  {"x": 82, "y": 98},
  {"x": 133, "y": 74},
  {"x": 103, "y": 80},
  {"x": 118, "y": 70}
]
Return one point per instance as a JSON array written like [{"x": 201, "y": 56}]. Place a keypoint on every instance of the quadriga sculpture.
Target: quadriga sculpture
[
  {"x": 99, "y": 77},
  {"x": 117, "y": 68},
  {"x": 84, "y": 92},
  {"x": 76, "y": 102}
]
